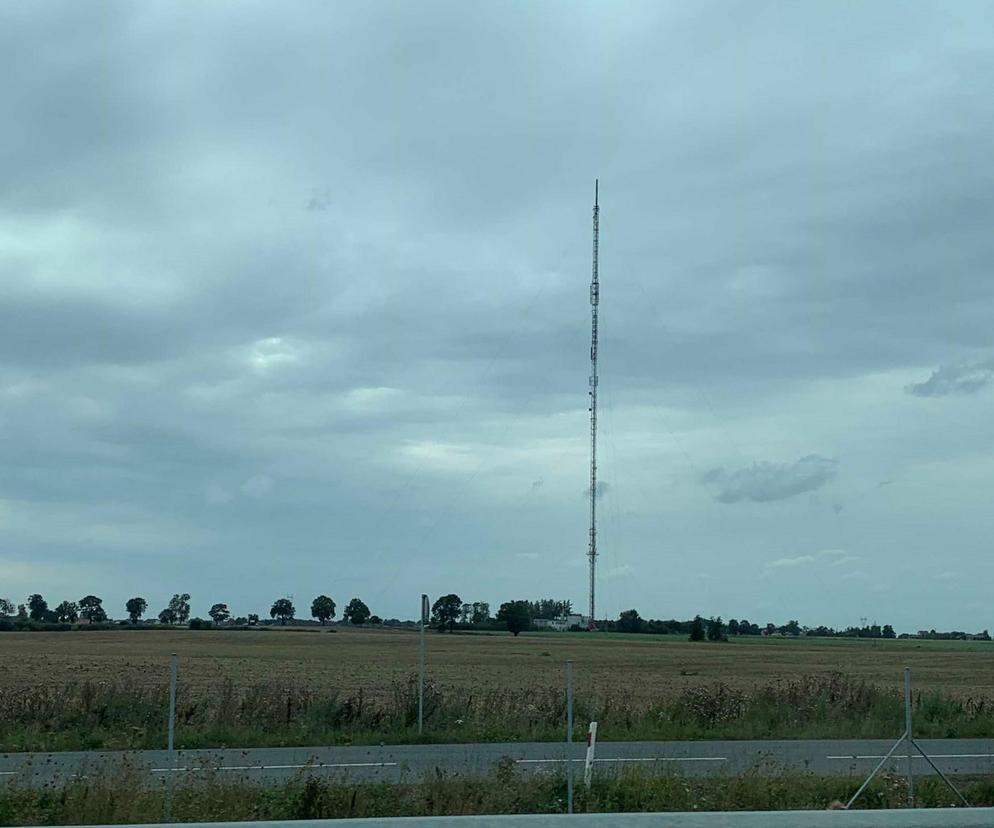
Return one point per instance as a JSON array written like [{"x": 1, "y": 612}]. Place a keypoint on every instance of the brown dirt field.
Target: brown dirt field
[{"x": 348, "y": 659}]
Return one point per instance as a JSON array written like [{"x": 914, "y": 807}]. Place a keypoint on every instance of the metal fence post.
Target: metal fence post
[
  {"x": 168, "y": 805},
  {"x": 173, "y": 669},
  {"x": 421, "y": 667},
  {"x": 569, "y": 737},
  {"x": 909, "y": 736}
]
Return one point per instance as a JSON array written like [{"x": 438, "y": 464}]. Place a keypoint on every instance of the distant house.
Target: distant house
[{"x": 560, "y": 624}]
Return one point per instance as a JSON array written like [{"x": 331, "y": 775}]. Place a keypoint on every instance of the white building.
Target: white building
[{"x": 560, "y": 624}]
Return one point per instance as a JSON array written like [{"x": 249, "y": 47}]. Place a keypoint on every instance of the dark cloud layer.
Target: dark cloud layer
[{"x": 301, "y": 292}]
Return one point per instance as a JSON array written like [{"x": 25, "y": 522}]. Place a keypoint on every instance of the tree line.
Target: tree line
[
  {"x": 448, "y": 613},
  {"x": 715, "y": 629},
  {"x": 90, "y": 610}
]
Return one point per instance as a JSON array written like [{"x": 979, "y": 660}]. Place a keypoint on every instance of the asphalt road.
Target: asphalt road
[{"x": 396, "y": 763}]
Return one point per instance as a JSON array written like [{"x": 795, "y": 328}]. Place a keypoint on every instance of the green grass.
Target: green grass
[
  {"x": 91, "y": 716},
  {"x": 128, "y": 798}
]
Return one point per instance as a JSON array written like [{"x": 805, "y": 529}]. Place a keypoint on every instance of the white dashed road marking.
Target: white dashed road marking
[{"x": 280, "y": 767}]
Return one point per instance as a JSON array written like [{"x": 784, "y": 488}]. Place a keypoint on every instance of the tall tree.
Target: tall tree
[
  {"x": 481, "y": 612},
  {"x": 323, "y": 609},
  {"x": 91, "y": 608},
  {"x": 283, "y": 609},
  {"x": 136, "y": 609},
  {"x": 516, "y": 615},
  {"x": 356, "y": 612},
  {"x": 167, "y": 616},
  {"x": 37, "y": 608},
  {"x": 446, "y": 611},
  {"x": 219, "y": 613},
  {"x": 67, "y": 612},
  {"x": 631, "y": 622},
  {"x": 6, "y": 607},
  {"x": 792, "y": 627},
  {"x": 716, "y": 629},
  {"x": 697, "y": 632},
  {"x": 180, "y": 606}
]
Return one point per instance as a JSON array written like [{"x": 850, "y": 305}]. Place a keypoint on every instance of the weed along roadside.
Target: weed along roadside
[
  {"x": 125, "y": 799},
  {"x": 121, "y": 715}
]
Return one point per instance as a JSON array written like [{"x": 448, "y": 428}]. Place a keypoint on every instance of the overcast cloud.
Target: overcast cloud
[{"x": 294, "y": 298}]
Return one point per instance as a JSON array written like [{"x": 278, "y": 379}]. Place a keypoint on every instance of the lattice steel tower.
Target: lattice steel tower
[{"x": 595, "y": 298}]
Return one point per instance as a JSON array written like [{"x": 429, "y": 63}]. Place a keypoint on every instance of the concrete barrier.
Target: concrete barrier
[{"x": 917, "y": 818}]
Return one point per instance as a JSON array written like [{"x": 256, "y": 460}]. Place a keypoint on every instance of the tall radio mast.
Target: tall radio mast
[{"x": 595, "y": 298}]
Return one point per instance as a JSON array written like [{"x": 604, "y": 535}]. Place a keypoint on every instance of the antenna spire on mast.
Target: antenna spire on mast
[{"x": 595, "y": 298}]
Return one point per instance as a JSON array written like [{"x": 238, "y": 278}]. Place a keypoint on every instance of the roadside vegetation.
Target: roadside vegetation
[
  {"x": 112, "y": 715},
  {"x": 127, "y": 799}
]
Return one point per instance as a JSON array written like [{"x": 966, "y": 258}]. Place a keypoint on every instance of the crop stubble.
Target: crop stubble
[{"x": 372, "y": 660}]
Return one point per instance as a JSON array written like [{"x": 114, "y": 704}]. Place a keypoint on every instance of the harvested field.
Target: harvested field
[
  {"x": 373, "y": 660},
  {"x": 107, "y": 689}
]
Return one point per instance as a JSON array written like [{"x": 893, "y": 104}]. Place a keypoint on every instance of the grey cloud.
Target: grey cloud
[
  {"x": 961, "y": 378},
  {"x": 400, "y": 196},
  {"x": 768, "y": 481}
]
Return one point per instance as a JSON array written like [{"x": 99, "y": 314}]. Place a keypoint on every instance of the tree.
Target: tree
[
  {"x": 22, "y": 613},
  {"x": 516, "y": 615},
  {"x": 322, "y": 608},
  {"x": 283, "y": 609},
  {"x": 888, "y": 631},
  {"x": 167, "y": 616},
  {"x": 6, "y": 607},
  {"x": 481, "y": 612},
  {"x": 716, "y": 629},
  {"x": 67, "y": 612},
  {"x": 180, "y": 606},
  {"x": 446, "y": 611},
  {"x": 748, "y": 628},
  {"x": 253, "y": 619},
  {"x": 733, "y": 626},
  {"x": 136, "y": 609},
  {"x": 697, "y": 629},
  {"x": 792, "y": 627},
  {"x": 549, "y": 608},
  {"x": 37, "y": 608},
  {"x": 375, "y": 620},
  {"x": 356, "y": 612},
  {"x": 91, "y": 608},
  {"x": 630, "y": 622},
  {"x": 219, "y": 613}
]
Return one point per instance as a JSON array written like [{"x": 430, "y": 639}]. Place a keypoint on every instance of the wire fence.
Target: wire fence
[
  {"x": 133, "y": 710},
  {"x": 161, "y": 708}
]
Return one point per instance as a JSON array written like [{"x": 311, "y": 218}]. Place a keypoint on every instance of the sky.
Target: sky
[{"x": 294, "y": 299}]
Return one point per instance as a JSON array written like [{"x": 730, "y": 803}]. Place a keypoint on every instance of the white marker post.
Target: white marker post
[
  {"x": 588, "y": 763},
  {"x": 421, "y": 670}
]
